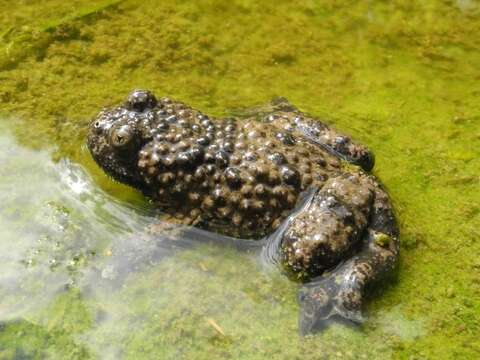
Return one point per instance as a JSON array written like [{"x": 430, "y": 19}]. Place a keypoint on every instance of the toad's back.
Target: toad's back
[{"x": 241, "y": 172}]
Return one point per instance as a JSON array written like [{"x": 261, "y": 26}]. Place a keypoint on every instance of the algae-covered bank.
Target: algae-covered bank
[{"x": 79, "y": 276}]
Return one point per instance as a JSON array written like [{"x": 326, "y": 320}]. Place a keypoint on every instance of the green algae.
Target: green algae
[
  {"x": 19, "y": 42},
  {"x": 401, "y": 77},
  {"x": 382, "y": 239}
]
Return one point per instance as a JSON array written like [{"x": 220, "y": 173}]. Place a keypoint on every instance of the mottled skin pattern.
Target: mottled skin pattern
[{"x": 244, "y": 177}]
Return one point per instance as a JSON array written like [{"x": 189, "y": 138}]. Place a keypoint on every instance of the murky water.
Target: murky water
[{"x": 80, "y": 276}]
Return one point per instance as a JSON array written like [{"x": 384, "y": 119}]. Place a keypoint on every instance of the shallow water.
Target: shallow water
[{"x": 79, "y": 276}]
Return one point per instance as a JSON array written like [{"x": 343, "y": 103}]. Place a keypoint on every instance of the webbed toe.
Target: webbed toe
[{"x": 323, "y": 300}]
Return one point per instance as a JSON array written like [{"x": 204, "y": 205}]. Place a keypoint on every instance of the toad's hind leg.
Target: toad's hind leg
[{"x": 341, "y": 292}]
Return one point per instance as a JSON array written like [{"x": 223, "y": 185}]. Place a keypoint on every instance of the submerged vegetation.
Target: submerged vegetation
[{"x": 400, "y": 77}]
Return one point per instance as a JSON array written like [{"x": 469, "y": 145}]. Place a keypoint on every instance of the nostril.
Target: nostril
[
  {"x": 140, "y": 100},
  {"x": 97, "y": 126}
]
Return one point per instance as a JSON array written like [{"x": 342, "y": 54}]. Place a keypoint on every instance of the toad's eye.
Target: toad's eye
[
  {"x": 140, "y": 100},
  {"x": 121, "y": 136}
]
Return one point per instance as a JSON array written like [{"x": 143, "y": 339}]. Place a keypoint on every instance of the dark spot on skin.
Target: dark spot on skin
[
  {"x": 273, "y": 177},
  {"x": 197, "y": 153},
  {"x": 230, "y": 128},
  {"x": 172, "y": 119},
  {"x": 285, "y": 138},
  {"x": 277, "y": 158},
  {"x": 227, "y": 146},
  {"x": 203, "y": 140},
  {"x": 219, "y": 195},
  {"x": 280, "y": 192},
  {"x": 210, "y": 168},
  {"x": 290, "y": 175},
  {"x": 184, "y": 158},
  {"x": 200, "y": 173},
  {"x": 321, "y": 162},
  {"x": 233, "y": 177},
  {"x": 209, "y": 157},
  {"x": 260, "y": 172},
  {"x": 247, "y": 190},
  {"x": 221, "y": 158},
  {"x": 163, "y": 126}
]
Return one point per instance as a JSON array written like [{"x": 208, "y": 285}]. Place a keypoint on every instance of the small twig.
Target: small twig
[{"x": 217, "y": 327}]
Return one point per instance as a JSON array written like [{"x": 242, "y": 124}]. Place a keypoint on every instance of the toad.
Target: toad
[{"x": 275, "y": 174}]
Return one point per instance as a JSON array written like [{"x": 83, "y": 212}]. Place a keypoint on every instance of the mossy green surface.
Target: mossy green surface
[{"x": 402, "y": 77}]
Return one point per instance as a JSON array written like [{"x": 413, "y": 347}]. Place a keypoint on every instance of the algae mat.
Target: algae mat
[{"x": 402, "y": 77}]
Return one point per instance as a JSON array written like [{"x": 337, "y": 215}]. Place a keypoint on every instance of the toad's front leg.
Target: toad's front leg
[
  {"x": 349, "y": 218},
  {"x": 319, "y": 133},
  {"x": 336, "y": 143}
]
